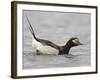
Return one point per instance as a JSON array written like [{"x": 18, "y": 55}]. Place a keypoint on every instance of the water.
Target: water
[
  {"x": 58, "y": 28},
  {"x": 76, "y": 58}
]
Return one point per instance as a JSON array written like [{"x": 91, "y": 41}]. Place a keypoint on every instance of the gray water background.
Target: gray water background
[{"x": 57, "y": 27}]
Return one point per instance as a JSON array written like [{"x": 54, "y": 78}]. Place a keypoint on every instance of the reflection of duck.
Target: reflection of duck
[{"x": 47, "y": 47}]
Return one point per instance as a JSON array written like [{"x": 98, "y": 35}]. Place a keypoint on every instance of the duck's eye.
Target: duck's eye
[{"x": 76, "y": 41}]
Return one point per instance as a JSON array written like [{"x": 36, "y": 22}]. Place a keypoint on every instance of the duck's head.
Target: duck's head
[{"x": 74, "y": 41}]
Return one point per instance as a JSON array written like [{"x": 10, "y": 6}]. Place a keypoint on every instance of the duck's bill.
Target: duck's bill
[{"x": 80, "y": 43}]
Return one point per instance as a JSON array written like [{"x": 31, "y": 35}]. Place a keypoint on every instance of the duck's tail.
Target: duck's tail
[{"x": 30, "y": 28}]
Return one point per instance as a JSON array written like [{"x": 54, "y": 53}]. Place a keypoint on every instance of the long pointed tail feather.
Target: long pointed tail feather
[{"x": 30, "y": 28}]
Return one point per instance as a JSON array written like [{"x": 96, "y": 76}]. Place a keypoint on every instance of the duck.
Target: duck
[{"x": 43, "y": 46}]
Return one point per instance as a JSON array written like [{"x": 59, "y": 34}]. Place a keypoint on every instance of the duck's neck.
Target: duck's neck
[{"x": 65, "y": 49}]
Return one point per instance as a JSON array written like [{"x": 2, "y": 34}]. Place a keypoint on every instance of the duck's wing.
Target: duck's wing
[
  {"x": 61, "y": 48},
  {"x": 47, "y": 42}
]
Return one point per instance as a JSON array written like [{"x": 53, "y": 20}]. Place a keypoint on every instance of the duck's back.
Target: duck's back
[{"x": 45, "y": 47}]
